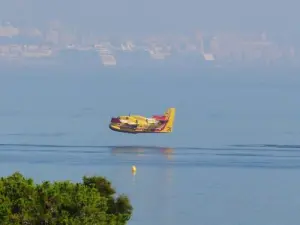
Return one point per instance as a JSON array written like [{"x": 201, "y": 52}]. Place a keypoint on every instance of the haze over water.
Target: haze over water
[{"x": 233, "y": 157}]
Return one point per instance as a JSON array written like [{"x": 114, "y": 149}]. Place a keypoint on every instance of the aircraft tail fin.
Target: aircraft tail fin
[{"x": 170, "y": 113}]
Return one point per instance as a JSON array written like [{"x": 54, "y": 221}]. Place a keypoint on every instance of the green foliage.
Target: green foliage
[{"x": 61, "y": 203}]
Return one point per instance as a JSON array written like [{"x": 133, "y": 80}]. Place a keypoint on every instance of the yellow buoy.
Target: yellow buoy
[{"x": 133, "y": 169}]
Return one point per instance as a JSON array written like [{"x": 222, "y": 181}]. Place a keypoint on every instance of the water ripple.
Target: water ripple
[{"x": 243, "y": 156}]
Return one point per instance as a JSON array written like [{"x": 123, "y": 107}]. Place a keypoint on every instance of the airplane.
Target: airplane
[{"x": 135, "y": 124}]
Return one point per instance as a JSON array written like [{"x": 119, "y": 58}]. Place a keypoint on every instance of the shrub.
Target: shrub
[{"x": 62, "y": 202}]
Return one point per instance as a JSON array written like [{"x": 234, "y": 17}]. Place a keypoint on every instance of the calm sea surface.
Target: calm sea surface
[{"x": 232, "y": 159}]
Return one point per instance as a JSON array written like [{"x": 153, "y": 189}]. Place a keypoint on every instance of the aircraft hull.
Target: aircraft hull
[
  {"x": 136, "y": 124},
  {"x": 131, "y": 131}
]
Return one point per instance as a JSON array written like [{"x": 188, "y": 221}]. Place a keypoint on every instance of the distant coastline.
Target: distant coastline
[
  {"x": 72, "y": 59},
  {"x": 39, "y": 68}
]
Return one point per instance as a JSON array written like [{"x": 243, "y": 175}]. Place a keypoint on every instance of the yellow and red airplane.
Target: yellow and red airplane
[{"x": 139, "y": 124}]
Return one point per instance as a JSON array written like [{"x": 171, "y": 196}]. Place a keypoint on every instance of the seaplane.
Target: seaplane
[{"x": 136, "y": 124}]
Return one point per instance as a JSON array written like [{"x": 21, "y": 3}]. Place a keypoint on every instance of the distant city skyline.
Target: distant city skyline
[{"x": 226, "y": 48}]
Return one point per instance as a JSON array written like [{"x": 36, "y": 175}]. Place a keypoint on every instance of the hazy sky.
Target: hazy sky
[{"x": 157, "y": 15}]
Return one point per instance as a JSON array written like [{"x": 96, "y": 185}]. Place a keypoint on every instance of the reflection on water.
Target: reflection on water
[
  {"x": 128, "y": 150},
  {"x": 168, "y": 152},
  {"x": 142, "y": 151}
]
